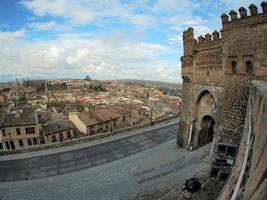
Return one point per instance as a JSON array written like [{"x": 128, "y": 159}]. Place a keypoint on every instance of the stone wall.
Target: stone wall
[
  {"x": 254, "y": 180},
  {"x": 244, "y": 40},
  {"x": 234, "y": 108}
]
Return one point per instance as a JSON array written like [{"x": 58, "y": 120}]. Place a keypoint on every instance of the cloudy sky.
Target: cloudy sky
[{"x": 106, "y": 39}]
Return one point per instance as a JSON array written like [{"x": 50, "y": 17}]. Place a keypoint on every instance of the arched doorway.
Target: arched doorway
[
  {"x": 207, "y": 130},
  {"x": 202, "y": 127}
]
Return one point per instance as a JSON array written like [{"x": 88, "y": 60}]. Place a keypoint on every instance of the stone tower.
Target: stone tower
[
  {"x": 202, "y": 74},
  {"x": 217, "y": 74}
]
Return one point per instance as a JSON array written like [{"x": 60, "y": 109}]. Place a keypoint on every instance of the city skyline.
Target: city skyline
[{"x": 107, "y": 40}]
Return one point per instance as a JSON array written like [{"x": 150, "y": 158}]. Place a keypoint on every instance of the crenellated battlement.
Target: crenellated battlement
[
  {"x": 210, "y": 41},
  {"x": 191, "y": 45},
  {"x": 188, "y": 34},
  {"x": 235, "y": 21},
  {"x": 202, "y": 58}
]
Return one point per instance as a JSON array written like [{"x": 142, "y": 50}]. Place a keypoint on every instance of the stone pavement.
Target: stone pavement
[
  {"x": 210, "y": 190},
  {"x": 150, "y": 172},
  {"x": 82, "y": 158},
  {"x": 139, "y": 176}
]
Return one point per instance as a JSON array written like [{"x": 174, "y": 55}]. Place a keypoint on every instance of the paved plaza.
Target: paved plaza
[{"x": 134, "y": 167}]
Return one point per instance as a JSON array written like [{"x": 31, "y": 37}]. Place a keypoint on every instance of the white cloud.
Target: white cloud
[
  {"x": 108, "y": 55},
  {"x": 144, "y": 20},
  {"x": 114, "y": 56},
  {"x": 42, "y": 26},
  {"x": 85, "y": 12},
  {"x": 8, "y": 37},
  {"x": 69, "y": 9},
  {"x": 102, "y": 58},
  {"x": 80, "y": 58},
  {"x": 162, "y": 14}
]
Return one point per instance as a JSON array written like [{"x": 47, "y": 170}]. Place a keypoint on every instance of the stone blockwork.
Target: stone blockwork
[
  {"x": 217, "y": 73},
  {"x": 254, "y": 180}
]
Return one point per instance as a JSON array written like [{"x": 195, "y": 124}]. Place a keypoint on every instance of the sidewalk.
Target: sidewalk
[
  {"x": 210, "y": 190},
  {"x": 87, "y": 144}
]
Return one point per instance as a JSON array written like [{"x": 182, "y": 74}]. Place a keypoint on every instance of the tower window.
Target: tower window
[
  {"x": 249, "y": 67},
  {"x": 234, "y": 67}
]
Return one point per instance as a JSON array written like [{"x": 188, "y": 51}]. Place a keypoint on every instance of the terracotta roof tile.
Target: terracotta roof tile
[
  {"x": 88, "y": 118},
  {"x": 55, "y": 128},
  {"x": 13, "y": 120}
]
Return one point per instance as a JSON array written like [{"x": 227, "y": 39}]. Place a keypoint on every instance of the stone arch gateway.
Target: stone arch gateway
[{"x": 204, "y": 119}]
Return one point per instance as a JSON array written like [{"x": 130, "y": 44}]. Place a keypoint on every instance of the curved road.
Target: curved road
[{"x": 75, "y": 160}]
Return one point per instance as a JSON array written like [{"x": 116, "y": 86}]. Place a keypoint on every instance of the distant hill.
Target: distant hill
[{"x": 152, "y": 83}]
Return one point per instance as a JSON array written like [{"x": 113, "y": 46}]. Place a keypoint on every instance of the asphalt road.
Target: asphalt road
[
  {"x": 84, "y": 158},
  {"x": 143, "y": 165}
]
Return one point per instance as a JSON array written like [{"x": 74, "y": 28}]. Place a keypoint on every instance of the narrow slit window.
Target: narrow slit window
[
  {"x": 234, "y": 66},
  {"x": 249, "y": 67}
]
